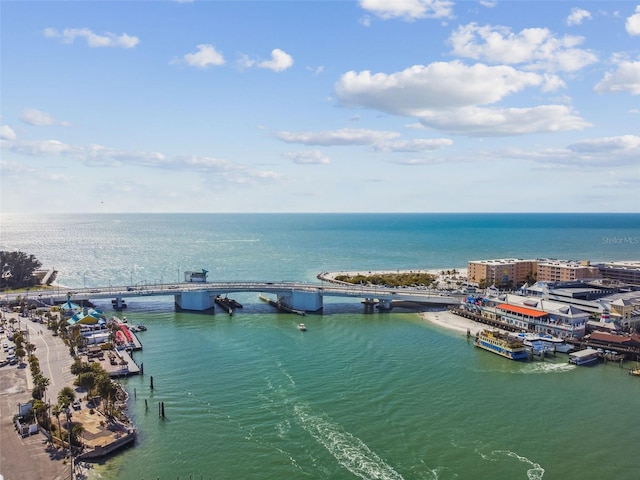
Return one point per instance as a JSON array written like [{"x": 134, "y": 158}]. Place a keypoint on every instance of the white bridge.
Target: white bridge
[{"x": 200, "y": 296}]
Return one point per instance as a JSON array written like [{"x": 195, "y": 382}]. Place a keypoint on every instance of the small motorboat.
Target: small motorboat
[{"x": 302, "y": 327}]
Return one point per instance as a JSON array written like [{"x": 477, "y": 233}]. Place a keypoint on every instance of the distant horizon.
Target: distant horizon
[{"x": 325, "y": 213}]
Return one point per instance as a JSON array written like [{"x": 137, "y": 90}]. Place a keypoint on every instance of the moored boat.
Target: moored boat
[
  {"x": 584, "y": 357},
  {"x": 555, "y": 343},
  {"x": 501, "y": 344},
  {"x": 547, "y": 343}
]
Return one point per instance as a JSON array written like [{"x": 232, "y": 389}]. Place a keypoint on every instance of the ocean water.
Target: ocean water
[{"x": 370, "y": 396}]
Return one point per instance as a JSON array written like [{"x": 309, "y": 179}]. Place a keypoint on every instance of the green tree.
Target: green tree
[
  {"x": 76, "y": 432},
  {"x": 40, "y": 384},
  {"x": 86, "y": 380},
  {"x": 66, "y": 396},
  {"x": 20, "y": 353},
  {"x": 56, "y": 411},
  {"x": 17, "y": 269},
  {"x": 40, "y": 411}
]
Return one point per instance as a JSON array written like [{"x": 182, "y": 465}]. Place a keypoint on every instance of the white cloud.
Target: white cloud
[
  {"x": 454, "y": 97},
  {"x": 316, "y": 70},
  {"x": 577, "y": 16},
  {"x": 418, "y": 145},
  {"x": 495, "y": 122},
  {"x": 108, "y": 39},
  {"x": 206, "y": 56},
  {"x": 535, "y": 48},
  {"x": 415, "y": 162},
  {"x": 311, "y": 157},
  {"x": 624, "y": 144},
  {"x": 39, "y": 148},
  {"x": 409, "y": 10},
  {"x": 603, "y": 152},
  {"x": 224, "y": 171},
  {"x": 626, "y": 78},
  {"x": 7, "y": 133},
  {"x": 39, "y": 118},
  {"x": 280, "y": 60},
  {"x": 438, "y": 86},
  {"x": 633, "y": 23},
  {"x": 345, "y": 136}
]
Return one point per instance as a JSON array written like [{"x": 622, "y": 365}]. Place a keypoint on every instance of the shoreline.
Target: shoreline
[{"x": 451, "y": 322}]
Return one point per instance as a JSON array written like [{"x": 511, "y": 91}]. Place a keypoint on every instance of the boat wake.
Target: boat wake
[
  {"x": 547, "y": 367},
  {"x": 536, "y": 472},
  {"x": 350, "y": 452}
]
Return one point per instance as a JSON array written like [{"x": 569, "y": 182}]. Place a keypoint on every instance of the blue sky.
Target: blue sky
[{"x": 320, "y": 106}]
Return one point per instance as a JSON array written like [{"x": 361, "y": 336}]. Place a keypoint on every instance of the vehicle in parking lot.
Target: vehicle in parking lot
[{"x": 76, "y": 405}]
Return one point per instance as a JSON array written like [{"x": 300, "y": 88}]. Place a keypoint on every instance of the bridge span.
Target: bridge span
[{"x": 200, "y": 296}]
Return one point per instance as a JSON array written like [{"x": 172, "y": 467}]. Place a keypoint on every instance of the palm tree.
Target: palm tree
[
  {"x": 66, "y": 396},
  {"x": 56, "y": 411},
  {"x": 40, "y": 411},
  {"x": 76, "y": 432},
  {"x": 41, "y": 383}
]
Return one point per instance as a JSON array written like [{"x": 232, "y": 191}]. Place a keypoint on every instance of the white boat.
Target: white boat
[
  {"x": 302, "y": 327},
  {"x": 555, "y": 343},
  {"x": 584, "y": 357},
  {"x": 548, "y": 343}
]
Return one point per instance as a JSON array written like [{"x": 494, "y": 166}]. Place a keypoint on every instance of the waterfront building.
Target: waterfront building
[
  {"x": 611, "y": 340},
  {"x": 565, "y": 271},
  {"x": 624, "y": 272},
  {"x": 531, "y": 314},
  {"x": 505, "y": 272}
]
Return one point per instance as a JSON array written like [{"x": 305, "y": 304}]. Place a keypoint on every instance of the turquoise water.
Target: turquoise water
[{"x": 378, "y": 396}]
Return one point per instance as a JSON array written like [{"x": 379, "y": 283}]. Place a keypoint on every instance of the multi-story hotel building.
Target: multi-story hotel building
[
  {"x": 624, "y": 272},
  {"x": 565, "y": 271},
  {"x": 503, "y": 272}
]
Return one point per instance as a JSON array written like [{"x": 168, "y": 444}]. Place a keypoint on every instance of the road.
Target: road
[{"x": 31, "y": 457}]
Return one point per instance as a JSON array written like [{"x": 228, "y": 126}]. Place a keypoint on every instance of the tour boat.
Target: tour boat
[{"x": 501, "y": 344}]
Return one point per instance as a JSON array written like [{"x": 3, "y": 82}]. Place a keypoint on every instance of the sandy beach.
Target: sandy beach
[{"x": 450, "y": 321}]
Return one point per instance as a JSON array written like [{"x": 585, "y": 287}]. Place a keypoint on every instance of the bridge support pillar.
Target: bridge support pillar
[
  {"x": 197, "y": 301},
  {"x": 307, "y": 301},
  {"x": 118, "y": 303},
  {"x": 384, "y": 304}
]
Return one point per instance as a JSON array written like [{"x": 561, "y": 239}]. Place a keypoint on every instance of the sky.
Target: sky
[{"x": 319, "y": 106}]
